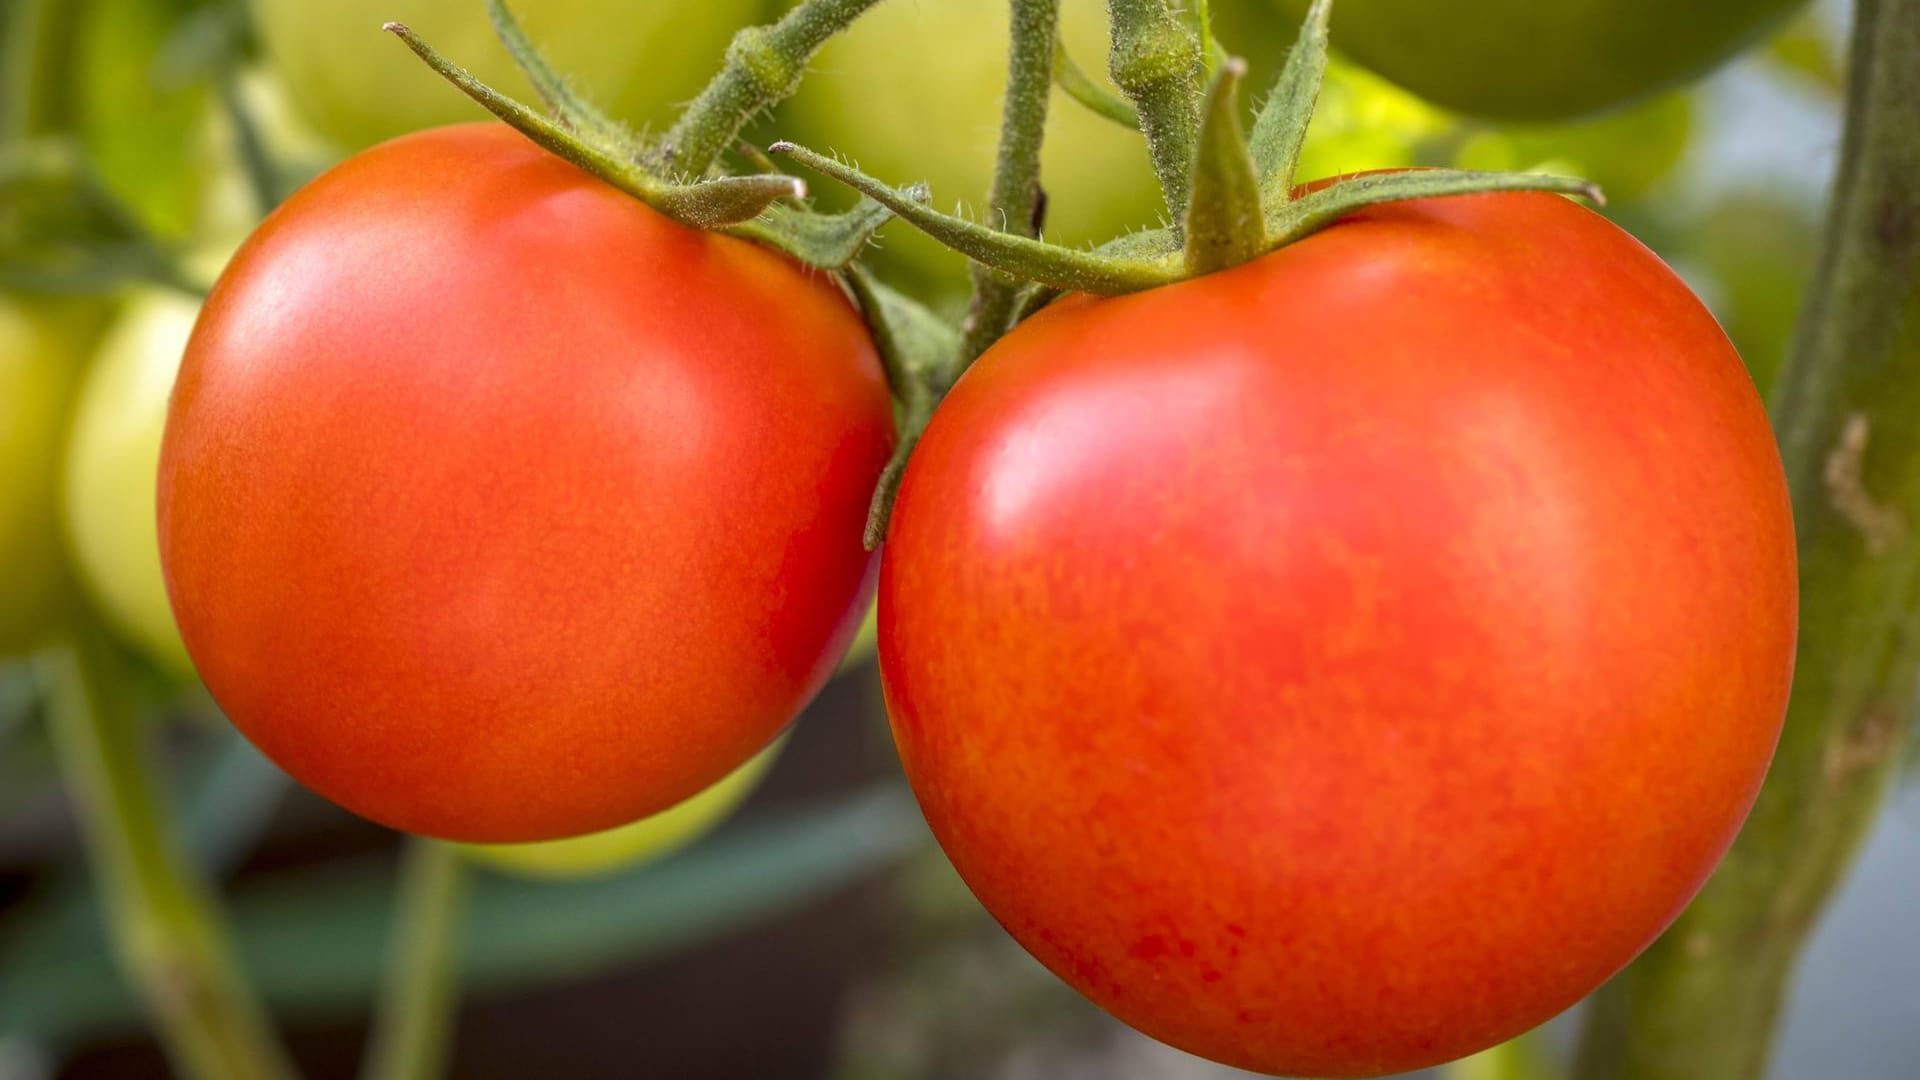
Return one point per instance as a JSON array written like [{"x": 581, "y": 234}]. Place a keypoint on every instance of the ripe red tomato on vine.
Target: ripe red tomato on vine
[
  {"x": 496, "y": 506},
  {"x": 1343, "y": 662}
]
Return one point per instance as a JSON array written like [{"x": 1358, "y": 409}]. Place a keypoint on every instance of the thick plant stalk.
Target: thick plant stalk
[
  {"x": 1702, "y": 1003},
  {"x": 1014, "y": 202},
  {"x": 1156, "y": 62},
  {"x": 764, "y": 65},
  {"x": 422, "y": 991},
  {"x": 164, "y": 923}
]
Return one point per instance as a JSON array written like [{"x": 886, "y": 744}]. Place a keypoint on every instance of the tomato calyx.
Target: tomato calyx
[
  {"x": 1236, "y": 199},
  {"x": 678, "y": 178}
]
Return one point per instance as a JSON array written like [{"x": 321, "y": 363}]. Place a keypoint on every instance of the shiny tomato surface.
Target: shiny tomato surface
[
  {"x": 498, "y": 507},
  {"x": 1341, "y": 663}
]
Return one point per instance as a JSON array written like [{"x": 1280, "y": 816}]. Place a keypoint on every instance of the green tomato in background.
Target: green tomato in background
[
  {"x": 865, "y": 641},
  {"x": 636, "y": 60},
  {"x": 1627, "y": 153},
  {"x": 1363, "y": 122},
  {"x": 1544, "y": 59},
  {"x": 112, "y": 466},
  {"x": 43, "y": 348},
  {"x": 635, "y": 843},
  {"x": 911, "y": 92}
]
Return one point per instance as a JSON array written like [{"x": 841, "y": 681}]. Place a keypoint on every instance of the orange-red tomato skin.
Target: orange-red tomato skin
[
  {"x": 1344, "y": 662},
  {"x": 498, "y": 507}
]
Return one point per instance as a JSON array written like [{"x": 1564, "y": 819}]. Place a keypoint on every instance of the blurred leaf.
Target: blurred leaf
[
  {"x": 313, "y": 939},
  {"x": 232, "y": 798},
  {"x": 142, "y": 88},
  {"x": 1627, "y": 153},
  {"x": 62, "y": 230},
  {"x": 18, "y": 696}
]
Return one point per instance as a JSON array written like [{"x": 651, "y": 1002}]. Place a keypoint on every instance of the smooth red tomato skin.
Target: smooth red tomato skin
[
  {"x": 498, "y": 507},
  {"x": 1339, "y": 664}
]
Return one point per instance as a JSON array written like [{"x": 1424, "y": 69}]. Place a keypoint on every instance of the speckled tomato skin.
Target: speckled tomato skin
[
  {"x": 497, "y": 507},
  {"x": 1342, "y": 663}
]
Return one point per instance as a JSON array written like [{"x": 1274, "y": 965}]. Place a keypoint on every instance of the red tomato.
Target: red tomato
[
  {"x": 1342, "y": 663},
  {"x": 498, "y": 507}
]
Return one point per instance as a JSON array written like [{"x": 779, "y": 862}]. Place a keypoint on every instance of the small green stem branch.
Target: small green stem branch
[
  {"x": 1081, "y": 87},
  {"x": 711, "y": 204},
  {"x": 164, "y": 922},
  {"x": 421, "y": 994},
  {"x": 262, "y": 175},
  {"x": 763, "y": 66},
  {"x": 1703, "y": 1001},
  {"x": 1014, "y": 204},
  {"x": 1156, "y": 61}
]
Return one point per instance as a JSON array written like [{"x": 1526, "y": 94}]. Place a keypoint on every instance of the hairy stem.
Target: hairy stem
[
  {"x": 1014, "y": 204},
  {"x": 164, "y": 922},
  {"x": 763, "y": 66},
  {"x": 1703, "y": 1001},
  {"x": 421, "y": 993},
  {"x": 1156, "y": 62}
]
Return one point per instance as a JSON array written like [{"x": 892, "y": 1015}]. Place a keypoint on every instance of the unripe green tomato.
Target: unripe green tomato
[
  {"x": 864, "y": 642},
  {"x": 627, "y": 846},
  {"x": 1626, "y": 153},
  {"x": 112, "y": 466},
  {"x": 1362, "y": 122},
  {"x": 1543, "y": 59},
  {"x": 42, "y": 354},
  {"x": 636, "y": 60}
]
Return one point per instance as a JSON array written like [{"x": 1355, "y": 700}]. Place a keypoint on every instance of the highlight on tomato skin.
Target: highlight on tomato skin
[
  {"x": 1341, "y": 663},
  {"x": 498, "y": 563}
]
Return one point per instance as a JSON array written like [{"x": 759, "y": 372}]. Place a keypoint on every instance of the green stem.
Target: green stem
[
  {"x": 707, "y": 204},
  {"x": 1703, "y": 1001},
  {"x": 1156, "y": 61},
  {"x": 263, "y": 176},
  {"x": 421, "y": 994},
  {"x": 164, "y": 922},
  {"x": 1080, "y": 86},
  {"x": 1014, "y": 203},
  {"x": 763, "y": 66}
]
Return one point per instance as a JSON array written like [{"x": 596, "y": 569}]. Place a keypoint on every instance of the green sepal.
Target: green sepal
[
  {"x": 726, "y": 200},
  {"x": 704, "y": 204},
  {"x": 572, "y": 110},
  {"x": 1312, "y": 212},
  {"x": 1224, "y": 225},
  {"x": 826, "y": 241},
  {"x": 1281, "y": 128},
  {"x": 1024, "y": 258}
]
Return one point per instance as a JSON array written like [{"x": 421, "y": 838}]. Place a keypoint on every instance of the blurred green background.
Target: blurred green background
[{"x": 817, "y": 933}]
